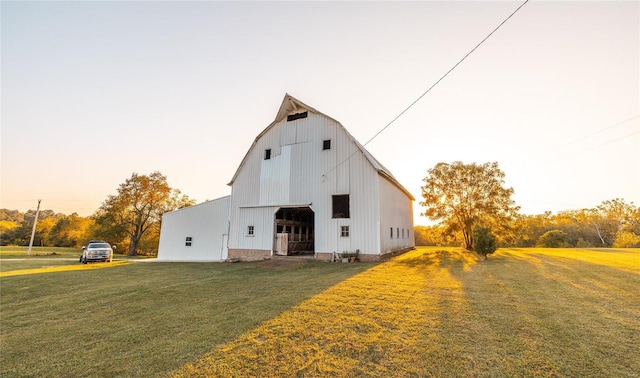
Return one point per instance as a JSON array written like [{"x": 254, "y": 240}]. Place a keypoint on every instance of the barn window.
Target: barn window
[
  {"x": 293, "y": 117},
  {"x": 187, "y": 241},
  {"x": 267, "y": 154},
  {"x": 326, "y": 144},
  {"x": 403, "y": 233},
  {"x": 250, "y": 230},
  {"x": 341, "y": 206},
  {"x": 398, "y": 233},
  {"x": 344, "y": 231},
  {"x": 391, "y": 233}
]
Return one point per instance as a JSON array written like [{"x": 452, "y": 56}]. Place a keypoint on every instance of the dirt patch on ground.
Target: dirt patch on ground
[{"x": 285, "y": 262}]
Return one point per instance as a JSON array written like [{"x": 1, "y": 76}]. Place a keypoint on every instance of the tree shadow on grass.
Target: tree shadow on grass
[
  {"x": 433, "y": 313},
  {"x": 148, "y": 319},
  {"x": 545, "y": 314}
]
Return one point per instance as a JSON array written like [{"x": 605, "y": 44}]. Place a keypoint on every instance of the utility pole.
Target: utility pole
[{"x": 33, "y": 232}]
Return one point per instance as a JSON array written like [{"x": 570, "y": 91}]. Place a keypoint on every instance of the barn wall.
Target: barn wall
[
  {"x": 301, "y": 173},
  {"x": 357, "y": 178},
  {"x": 205, "y": 223},
  {"x": 396, "y": 218},
  {"x": 262, "y": 221}
]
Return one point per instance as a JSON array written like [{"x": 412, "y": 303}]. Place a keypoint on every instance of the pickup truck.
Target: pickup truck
[{"x": 96, "y": 250}]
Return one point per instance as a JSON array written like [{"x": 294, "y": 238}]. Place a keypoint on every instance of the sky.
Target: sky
[{"x": 92, "y": 92}]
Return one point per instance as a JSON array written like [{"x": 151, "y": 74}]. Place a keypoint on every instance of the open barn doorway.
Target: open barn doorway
[{"x": 295, "y": 231}]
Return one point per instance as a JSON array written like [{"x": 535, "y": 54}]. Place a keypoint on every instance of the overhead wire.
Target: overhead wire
[
  {"x": 599, "y": 131},
  {"x": 554, "y": 160},
  {"x": 538, "y": 159},
  {"x": 431, "y": 87}
]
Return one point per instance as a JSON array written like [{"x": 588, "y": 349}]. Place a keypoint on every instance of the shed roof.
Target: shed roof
[{"x": 292, "y": 105}]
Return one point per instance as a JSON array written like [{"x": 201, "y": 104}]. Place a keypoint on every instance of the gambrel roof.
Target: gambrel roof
[{"x": 292, "y": 105}]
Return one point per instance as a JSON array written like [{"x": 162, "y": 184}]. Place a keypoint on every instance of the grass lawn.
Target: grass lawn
[
  {"x": 38, "y": 252},
  {"x": 431, "y": 312},
  {"x": 16, "y": 258}
]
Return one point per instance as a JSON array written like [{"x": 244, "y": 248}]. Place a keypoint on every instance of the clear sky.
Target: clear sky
[{"x": 94, "y": 91}]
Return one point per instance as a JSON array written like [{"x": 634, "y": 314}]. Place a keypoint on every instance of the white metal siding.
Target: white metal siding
[
  {"x": 206, "y": 224},
  {"x": 262, "y": 220},
  {"x": 301, "y": 173},
  {"x": 395, "y": 213}
]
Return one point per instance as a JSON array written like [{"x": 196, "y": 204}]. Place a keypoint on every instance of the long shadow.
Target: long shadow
[
  {"x": 152, "y": 318},
  {"x": 445, "y": 313},
  {"x": 554, "y": 315}
]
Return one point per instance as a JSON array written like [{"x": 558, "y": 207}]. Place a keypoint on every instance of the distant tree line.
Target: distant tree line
[
  {"x": 614, "y": 223},
  {"x": 53, "y": 229},
  {"x": 129, "y": 219},
  {"x": 469, "y": 200}
]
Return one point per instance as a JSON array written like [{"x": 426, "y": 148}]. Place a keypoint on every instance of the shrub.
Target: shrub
[
  {"x": 627, "y": 240},
  {"x": 484, "y": 242},
  {"x": 553, "y": 239}
]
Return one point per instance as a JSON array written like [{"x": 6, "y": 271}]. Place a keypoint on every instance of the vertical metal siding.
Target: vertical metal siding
[
  {"x": 301, "y": 172},
  {"x": 206, "y": 224},
  {"x": 262, "y": 219},
  {"x": 395, "y": 212}
]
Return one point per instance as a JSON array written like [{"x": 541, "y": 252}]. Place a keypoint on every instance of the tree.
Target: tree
[
  {"x": 137, "y": 208},
  {"x": 610, "y": 218},
  {"x": 463, "y": 195},
  {"x": 626, "y": 239},
  {"x": 484, "y": 241},
  {"x": 434, "y": 235},
  {"x": 71, "y": 231}
]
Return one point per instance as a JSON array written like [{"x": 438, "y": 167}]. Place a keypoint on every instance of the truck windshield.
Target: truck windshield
[{"x": 99, "y": 245}]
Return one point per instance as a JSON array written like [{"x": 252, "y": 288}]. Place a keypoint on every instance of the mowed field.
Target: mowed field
[{"x": 439, "y": 312}]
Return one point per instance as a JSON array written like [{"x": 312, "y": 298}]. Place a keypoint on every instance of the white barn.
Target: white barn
[{"x": 305, "y": 186}]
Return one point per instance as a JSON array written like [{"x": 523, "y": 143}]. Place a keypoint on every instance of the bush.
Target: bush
[
  {"x": 581, "y": 243},
  {"x": 484, "y": 242},
  {"x": 553, "y": 239},
  {"x": 627, "y": 240}
]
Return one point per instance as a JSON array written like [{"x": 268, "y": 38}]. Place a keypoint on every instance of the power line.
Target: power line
[
  {"x": 589, "y": 148},
  {"x": 547, "y": 153},
  {"x": 599, "y": 131},
  {"x": 432, "y": 86}
]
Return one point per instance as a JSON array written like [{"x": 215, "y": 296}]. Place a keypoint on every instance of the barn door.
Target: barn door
[
  {"x": 223, "y": 249},
  {"x": 282, "y": 244}
]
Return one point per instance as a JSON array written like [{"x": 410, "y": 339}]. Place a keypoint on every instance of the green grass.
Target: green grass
[
  {"x": 38, "y": 252},
  {"x": 16, "y": 258},
  {"x": 145, "y": 319},
  {"x": 431, "y": 312}
]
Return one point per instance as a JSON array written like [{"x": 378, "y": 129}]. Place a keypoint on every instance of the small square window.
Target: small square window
[
  {"x": 250, "y": 230},
  {"x": 326, "y": 144},
  {"x": 187, "y": 241},
  {"x": 267, "y": 154},
  {"x": 344, "y": 231}
]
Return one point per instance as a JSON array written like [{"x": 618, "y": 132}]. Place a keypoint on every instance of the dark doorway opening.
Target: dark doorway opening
[{"x": 295, "y": 231}]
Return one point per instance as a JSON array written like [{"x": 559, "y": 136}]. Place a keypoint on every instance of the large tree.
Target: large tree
[
  {"x": 462, "y": 196},
  {"x": 138, "y": 207}
]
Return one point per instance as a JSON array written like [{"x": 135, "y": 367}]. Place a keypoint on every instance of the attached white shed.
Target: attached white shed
[
  {"x": 196, "y": 233},
  {"x": 305, "y": 186}
]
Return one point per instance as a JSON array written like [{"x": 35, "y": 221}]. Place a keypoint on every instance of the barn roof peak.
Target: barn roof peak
[{"x": 291, "y": 105}]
